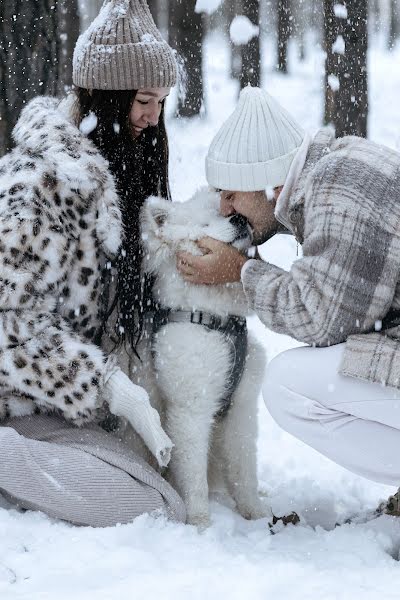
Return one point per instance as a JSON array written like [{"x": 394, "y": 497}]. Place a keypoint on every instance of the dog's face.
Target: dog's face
[{"x": 168, "y": 227}]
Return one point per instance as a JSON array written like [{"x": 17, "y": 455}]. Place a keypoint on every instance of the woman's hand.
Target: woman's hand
[
  {"x": 130, "y": 401},
  {"x": 221, "y": 263}
]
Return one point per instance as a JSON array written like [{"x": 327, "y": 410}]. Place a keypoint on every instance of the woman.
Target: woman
[{"x": 63, "y": 231}]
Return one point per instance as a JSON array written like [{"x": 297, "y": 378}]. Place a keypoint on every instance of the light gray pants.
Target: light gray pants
[
  {"x": 82, "y": 475},
  {"x": 353, "y": 422}
]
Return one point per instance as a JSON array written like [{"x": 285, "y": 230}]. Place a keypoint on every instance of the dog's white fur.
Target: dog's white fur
[{"x": 191, "y": 363}]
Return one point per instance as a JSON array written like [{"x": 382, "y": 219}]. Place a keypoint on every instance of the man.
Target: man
[{"x": 341, "y": 199}]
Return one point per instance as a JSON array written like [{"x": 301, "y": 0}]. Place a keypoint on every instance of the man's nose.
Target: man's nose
[{"x": 225, "y": 208}]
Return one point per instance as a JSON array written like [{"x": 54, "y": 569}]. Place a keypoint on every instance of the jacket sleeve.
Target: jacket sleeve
[
  {"x": 343, "y": 284},
  {"x": 41, "y": 358}
]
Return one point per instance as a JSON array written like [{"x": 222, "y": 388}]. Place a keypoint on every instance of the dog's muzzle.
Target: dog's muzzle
[{"x": 242, "y": 228}]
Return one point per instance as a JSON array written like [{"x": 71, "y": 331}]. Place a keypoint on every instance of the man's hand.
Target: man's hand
[{"x": 220, "y": 263}]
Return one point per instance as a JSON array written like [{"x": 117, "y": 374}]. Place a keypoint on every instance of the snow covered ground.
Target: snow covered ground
[{"x": 151, "y": 558}]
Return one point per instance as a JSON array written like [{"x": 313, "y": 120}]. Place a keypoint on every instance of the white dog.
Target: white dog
[{"x": 207, "y": 370}]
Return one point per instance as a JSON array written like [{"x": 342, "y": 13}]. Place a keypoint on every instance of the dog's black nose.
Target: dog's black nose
[{"x": 241, "y": 225}]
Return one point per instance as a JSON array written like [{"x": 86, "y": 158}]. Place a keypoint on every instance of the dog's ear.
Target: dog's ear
[{"x": 157, "y": 210}]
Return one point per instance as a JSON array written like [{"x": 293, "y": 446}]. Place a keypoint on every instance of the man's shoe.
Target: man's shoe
[
  {"x": 278, "y": 523},
  {"x": 392, "y": 506}
]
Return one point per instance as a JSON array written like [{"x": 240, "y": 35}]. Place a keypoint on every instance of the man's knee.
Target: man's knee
[
  {"x": 274, "y": 391},
  {"x": 283, "y": 386}
]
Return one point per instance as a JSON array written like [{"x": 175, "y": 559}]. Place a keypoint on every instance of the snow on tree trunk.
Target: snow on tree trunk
[
  {"x": 186, "y": 36},
  {"x": 346, "y": 81},
  {"x": 250, "y": 72},
  {"x": 284, "y": 32}
]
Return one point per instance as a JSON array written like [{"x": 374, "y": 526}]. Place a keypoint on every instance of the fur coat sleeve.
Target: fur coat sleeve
[
  {"x": 58, "y": 211},
  {"x": 43, "y": 362}
]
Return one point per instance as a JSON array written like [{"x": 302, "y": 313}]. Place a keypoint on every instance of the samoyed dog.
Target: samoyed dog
[{"x": 207, "y": 370}]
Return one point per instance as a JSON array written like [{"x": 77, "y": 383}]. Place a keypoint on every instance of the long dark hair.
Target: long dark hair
[{"x": 140, "y": 169}]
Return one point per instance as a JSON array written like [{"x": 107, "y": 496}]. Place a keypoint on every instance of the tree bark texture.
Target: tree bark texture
[
  {"x": 69, "y": 24},
  {"x": 159, "y": 10},
  {"x": 374, "y": 15},
  {"x": 393, "y": 23},
  {"x": 236, "y": 9},
  {"x": 346, "y": 81},
  {"x": 154, "y": 9},
  {"x": 284, "y": 33},
  {"x": 29, "y": 53},
  {"x": 186, "y": 36},
  {"x": 251, "y": 60},
  {"x": 88, "y": 11}
]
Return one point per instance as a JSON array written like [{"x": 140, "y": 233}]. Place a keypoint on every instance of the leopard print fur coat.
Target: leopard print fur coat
[{"x": 59, "y": 218}]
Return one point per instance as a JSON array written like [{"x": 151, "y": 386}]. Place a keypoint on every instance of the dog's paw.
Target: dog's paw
[
  {"x": 199, "y": 520},
  {"x": 253, "y": 510}
]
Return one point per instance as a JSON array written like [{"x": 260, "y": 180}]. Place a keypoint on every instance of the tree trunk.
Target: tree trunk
[
  {"x": 374, "y": 15},
  {"x": 162, "y": 17},
  {"x": 300, "y": 23},
  {"x": 331, "y": 62},
  {"x": 251, "y": 62},
  {"x": 393, "y": 24},
  {"x": 284, "y": 31},
  {"x": 29, "y": 52},
  {"x": 186, "y": 36},
  {"x": 154, "y": 9},
  {"x": 88, "y": 11},
  {"x": 236, "y": 49},
  {"x": 346, "y": 84},
  {"x": 69, "y": 24}
]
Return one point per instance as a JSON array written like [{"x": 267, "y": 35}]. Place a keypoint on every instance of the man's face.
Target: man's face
[{"x": 255, "y": 206}]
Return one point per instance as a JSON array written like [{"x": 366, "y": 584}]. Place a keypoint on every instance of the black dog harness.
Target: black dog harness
[{"x": 234, "y": 330}]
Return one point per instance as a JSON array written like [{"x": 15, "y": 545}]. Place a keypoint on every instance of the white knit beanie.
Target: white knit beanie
[{"x": 255, "y": 147}]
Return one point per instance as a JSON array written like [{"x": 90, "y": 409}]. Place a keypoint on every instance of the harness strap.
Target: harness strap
[
  {"x": 234, "y": 330},
  {"x": 165, "y": 315}
]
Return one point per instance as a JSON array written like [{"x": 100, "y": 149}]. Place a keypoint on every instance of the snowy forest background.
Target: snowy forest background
[{"x": 326, "y": 62}]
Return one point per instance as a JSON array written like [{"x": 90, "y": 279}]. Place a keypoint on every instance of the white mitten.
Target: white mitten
[{"x": 130, "y": 401}]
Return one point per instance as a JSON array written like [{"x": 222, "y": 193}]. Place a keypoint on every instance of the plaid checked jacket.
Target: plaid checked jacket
[{"x": 345, "y": 211}]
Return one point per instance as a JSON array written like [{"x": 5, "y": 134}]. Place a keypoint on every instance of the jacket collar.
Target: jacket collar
[
  {"x": 290, "y": 206},
  {"x": 282, "y": 205}
]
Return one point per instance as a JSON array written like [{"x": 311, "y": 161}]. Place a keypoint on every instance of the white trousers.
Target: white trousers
[{"x": 352, "y": 422}]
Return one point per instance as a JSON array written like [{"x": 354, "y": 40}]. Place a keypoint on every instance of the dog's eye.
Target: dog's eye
[{"x": 160, "y": 219}]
